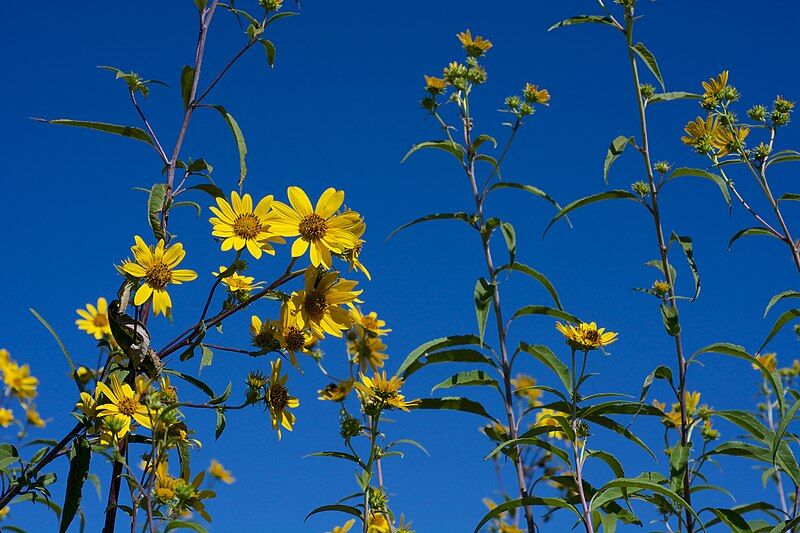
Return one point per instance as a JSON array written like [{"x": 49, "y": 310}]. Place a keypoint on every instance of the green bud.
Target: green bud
[
  {"x": 757, "y": 113},
  {"x": 349, "y": 427},
  {"x": 640, "y": 188},
  {"x": 647, "y": 90},
  {"x": 662, "y": 167},
  {"x": 783, "y": 105}
]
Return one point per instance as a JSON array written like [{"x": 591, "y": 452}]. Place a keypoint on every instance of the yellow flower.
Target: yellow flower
[
  {"x": 769, "y": 360},
  {"x": 124, "y": 401},
  {"x": 474, "y": 47},
  {"x": 691, "y": 400},
  {"x": 318, "y": 304},
  {"x": 726, "y": 140},
  {"x": 378, "y": 523},
  {"x": 19, "y": 380},
  {"x": 700, "y": 131},
  {"x": 166, "y": 484},
  {"x": 5, "y": 359},
  {"x": 344, "y": 528},
  {"x": 6, "y": 417},
  {"x": 4, "y": 512},
  {"x": 292, "y": 334},
  {"x": 370, "y": 323},
  {"x": 113, "y": 428},
  {"x": 351, "y": 256},
  {"x": 156, "y": 267},
  {"x": 236, "y": 282},
  {"x": 534, "y": 95},
  {"x": 218, "y": 471},
  {"x": 386, "y": 391},
  {"x": 367, "y": 351},
  {"x": 320, "y": 228},
  {"x": 336, "y": 391},
  {"x": 94, "y": 320},
  {"x": 714, "y": 86},
  {"x": 240, "y": 226},
  {"x": 32, "y": 416},
  {"x": 88, "y": 403},
  {"x": 279, "y": 400},
  {"x": 586, "y": 336},
  {"x": 545, "y": 419},
  {"x": 505, "y": 527},
  {"x": 660, "y": 287},
  {"x": 523, "y": 384},
  {"x": 435, "y": 85},
  {"x": 264, "y": 335}
]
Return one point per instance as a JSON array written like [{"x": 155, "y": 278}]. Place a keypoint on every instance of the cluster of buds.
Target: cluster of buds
[
  {"x": 640, "y": 188},
  {"x": 781, "y": 111},
  {"x": 718, "y": 93},
  {"x": 349, "y": 427},
  {"x": 522, "y": 106},
  {"x": 270, "y": 5}
]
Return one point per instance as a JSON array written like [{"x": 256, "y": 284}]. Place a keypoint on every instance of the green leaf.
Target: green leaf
[
  {"x": 675, "y": 95},
  {"x": 269, "y": 48},
  {"x": 546, "y": 356},
  {"x": 125, "y": 131},
  {"x": 338, "y": 508},
  {"x": 192, "y": 381},
  {"x": 650, "y": 60},
  {"x": 467, "y": 378},
  {"x": 221, "y": 423},
  {"x": 155, "y": 205},
  {"x": 609, "y": 459},
  {"x": 207, "y": 357},
  {"x": 661, "y": 372},
  {"x": 784, "y": 319},
  {"x": 484, "y": 292},
  {"x": 278, "y": 16},
  {"x": 669, "y": 316},
  {"x": 607, "y": 195},
  {"x": 544, "y": 310},
  {"x": 511, "y": 240},
  {"x": 621, "y": 430},
  {"x": 789, "y": 196},
  {"x": 778, "y": 297},
  {"x": 678, "y": 462},
  {"x": 584, "y": 19},
  {"x": 80, "y": 455},
  {"x": 339, "y": 455},
  {"x": 426, "y": 350},
  {"x": 61, "y": 345},
  {"x": 482, "y": 138},
  {"x": 210, "y": 189},
  {"x": 187, "y": 80},
  {"x": 734, "y": 350},
  {"x": 746, "y": 232},
  {"x": 239, "y": 138},
  {"x": 462, "y": 355},
  {"x": 730, "y": 518},
  {"x": 615, "y": 149},
  {"x": 718, "y": 180},
  {"x": 538, "y": 276},
  {"x": 181, "y": 524},
  {"x": 638, "y": 483},
  {"x": 688, "y": 250},
  {"x": 527, "y": 188},
  {"x": 438, "y": 216},
  {"x": 455, "y": 403},
  {"x": 455, "y": 149},
  {"x": 786, "y": 419},
  {"x": 522, "y": 502}
]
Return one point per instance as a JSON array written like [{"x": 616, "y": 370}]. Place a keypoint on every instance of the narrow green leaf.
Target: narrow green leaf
[
  {"x": 210, "y": 189},
  {"x": 778, "y": 297},
  {"x": 607, "y": 195},
  {"x": 675, "y": 95},
  {"x": 207, "y": 357},
  {"x": 455, "y": 403},
  {"x": 786, "y": 419},
  {"x": 80, "y": 455},
  {"x": 583, "y": 19},
  {"x": 155, "y": 205},
  {"x": 546, "y": 356},
  {"x": 460, "y": 355},
  {"x": 511, "y": 240},
  {"x": 187, "y": 80},
  {"x": 429, "y": 347},
  {"x": 678, "y": 462},
  {"x": 61, "y": 345},
  {"x": 650, "y": 60},
  {"x": 527, "y": 188},
  {"x": 688, "y": 250},
  {"x": 544, "y": 310},
  {"x": 784, "y": 319},
  {"x": 538, "y": 276},
  {"x": 125, "y": 131},
  {"x": 338, "y": 508},
  {"x": 269, "y": 48},
  {"x": 455, "y": 149},
  {"x": 484, "y": 292},
  {"x": 746, "y": 232},
  {"x": 239, "y": 138},
  {"x": 467, "y": 378},
  {"x": 522, "y": 502},
  {"x": 221, "y": 423},
  {"x": 615, "y": 149},
  {"x": 718, "y": 180},
  {"x": 438, "y": 216}
]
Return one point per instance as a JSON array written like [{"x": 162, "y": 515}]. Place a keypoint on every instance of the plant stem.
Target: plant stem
[{"x": 662, "y": 248}]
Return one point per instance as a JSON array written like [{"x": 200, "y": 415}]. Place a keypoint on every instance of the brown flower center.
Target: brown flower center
[
  {"x": 295, "y": 338},
  {"x": 367, "y": 322},
  {"x": 592, "y": 335},
  {"x": 278, "y": 397},
  {"x": 100, "y": 320},
  {"x": 247, "y": 226},
  {"x": 158, "y": 275},
  {"x": 315, "y": 305},
  {"x": 312, "y": 227},
  {"x": 128, "y": 406}
]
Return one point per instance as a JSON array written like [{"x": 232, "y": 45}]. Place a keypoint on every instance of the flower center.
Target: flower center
[
  {"x": 158, "y": 275},
  {"x": 312, "y": 227},
  {"x": 247, "y": 226},
  {"x": 278, "y": 397},
  {"x": 128, "y": 406},
  {"x": 369, "y": 323},
  {"x": 100, "y": 320},
  {"x": 315, "y": 305},
  {"x": 295, "y": 339},
  {"x": 592, "y": 335}
]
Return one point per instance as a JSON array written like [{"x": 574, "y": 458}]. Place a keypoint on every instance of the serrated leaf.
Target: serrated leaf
[
  {"x": 546, "y": 311},
  {"x": 674, "y": 95},
  {"x": 454, "y": 403},
  {"x": 649, "y": 60},
  {"x": 584, "y": 19},
  {"x": 427, "y": 350},
  {"x": 782, "y": 320},
  {"x": 467, "y": 378},
  {"x": 778, "y": 297}
]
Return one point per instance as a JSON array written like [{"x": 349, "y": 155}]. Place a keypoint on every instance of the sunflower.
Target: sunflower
[
  {"x": 238, "y": 283},
  {"x": 714, "y": 86},
  {"x": 6, "y": 417},
  {"x": 345, "y": 527},
  {"x": 94, "y": 320},
  {"x": 523, "y": 384},
  {"x": 534, "y": 95},
  {"x": 264, "y": 334},
  {"x": 728, "y": 140},
  {"x": 701, "y": 133},
  {"x": 336, "y": 392},
  {"x": 378, "y": 523},
  {"x": 88, "y": 403},
  {"x": 369, "y": 322},
  {"x": 19, "y": 380},
  {"x": 33, "y": 417},
  {"x": 218, "y": 471},
  {"x": 385, "y": 391},
  {"x": 474, "y": 47},
  {"x": 278, "y": 400},
  {"x": 240, "y": 226},
  {"x": 166, "y": 484},
  {"x": 124, "y": 401},
  {"x": 367, "y": 351},
  {"x": 320, "y": 228},
  {"x": 292, "y": 336},
  {"x": 351, "y": 256},
  {"x": 545, "y": 419},
  {"x": 769, "y": 360},
  {"x": 435, "y": 85},
  {"x": 586, "y": 336},
  {"x": 319, "y": 303},
  {"x": 156, "y": 268}
]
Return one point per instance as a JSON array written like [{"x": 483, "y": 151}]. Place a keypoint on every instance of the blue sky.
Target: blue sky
[{"x": 340, "y": 109}]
